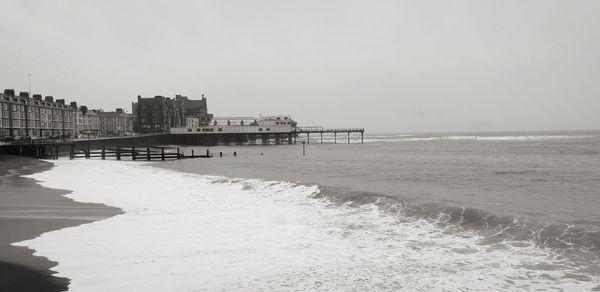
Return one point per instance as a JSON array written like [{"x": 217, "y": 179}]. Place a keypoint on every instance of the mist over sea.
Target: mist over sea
[{"x": 436, "y": 212}]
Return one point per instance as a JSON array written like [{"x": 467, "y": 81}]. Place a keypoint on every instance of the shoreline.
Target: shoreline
[{"x": 28, "y": 210}]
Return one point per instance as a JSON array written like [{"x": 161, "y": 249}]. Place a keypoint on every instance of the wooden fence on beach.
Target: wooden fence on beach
[{"x": 134, "y": 153}]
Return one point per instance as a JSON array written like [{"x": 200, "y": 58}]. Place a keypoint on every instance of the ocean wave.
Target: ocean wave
[
  {"x": 492, "y": 227},
  {"x": 252, "y": 234}
]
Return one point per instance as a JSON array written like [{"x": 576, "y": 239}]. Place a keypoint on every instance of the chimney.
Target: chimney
[
  {"x": 24, "y": 94},
  {"x": 74, "y": 104},
  {"x": 37, "y": 97},
  {"x": 49, "y": 99},
  {"x": 60, "y": 101},
  {"x": 120, "y": 110},
  {"x": 9, "y": 92}
]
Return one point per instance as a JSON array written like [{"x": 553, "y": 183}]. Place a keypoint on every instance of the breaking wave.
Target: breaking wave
[
  {"x": 494, "y": 228},
  {"x": 252, "y": 234}
]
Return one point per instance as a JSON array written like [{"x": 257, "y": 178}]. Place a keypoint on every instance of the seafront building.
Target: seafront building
[
  {"x": 159, "y": 114},
  {"x": 283, "y": 124},
  {"x": 22, "y": 116},
  {"x": 87, "y": 122},
  {"x": 25, "y": 117},
  {"x": 115, "y": 123}
]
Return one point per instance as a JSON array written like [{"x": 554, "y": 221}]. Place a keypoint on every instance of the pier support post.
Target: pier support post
[
  {"x": 348, "y": 137},
  {"x": 207, "y": 153},
  {"x": 334, "y": 137},
  {"x": 87, "y": 153},
  {"x": 321, "y": 137},
  {"x": 21, "y": 150},
  {"x": 103, "y": 152},
  {"x": 162, "y": 153},
  {"x": 133, "y": 154},
  {"x": 192, "y": 153},
  {"x": 361, "y": 137},
  {"x": 307, "y": 138},
  {"x": 177, "y": 152},
  {"x": 118, "y": 152},
  {"x": 148, "y": 153},
  {"x": 71, "y": 152}
]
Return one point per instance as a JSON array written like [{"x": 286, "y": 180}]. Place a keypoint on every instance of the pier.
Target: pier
[
  {"x": 352, "y": 135},
  {"x": 144, "y": 147}
]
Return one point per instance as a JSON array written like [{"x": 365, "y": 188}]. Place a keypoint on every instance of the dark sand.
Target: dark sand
[{"x": 28, "y": 210}]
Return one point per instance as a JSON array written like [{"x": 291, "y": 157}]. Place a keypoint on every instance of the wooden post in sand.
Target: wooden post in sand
[
  {"x": 103, "y": 152},
  {"x": 118, "y": 152},
  {"x": 162, "y": 153},
  {"x": 148, "y": 153},
  {"x": 133, "y": 153}
]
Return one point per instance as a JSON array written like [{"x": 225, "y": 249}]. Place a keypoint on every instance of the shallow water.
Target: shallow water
[{"x": 502, "y": 213}]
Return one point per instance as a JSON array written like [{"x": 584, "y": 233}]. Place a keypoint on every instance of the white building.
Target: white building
[{"x": 250, "y": 125}]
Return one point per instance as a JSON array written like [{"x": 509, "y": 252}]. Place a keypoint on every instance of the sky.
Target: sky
[{"x": 387, "y": 66}]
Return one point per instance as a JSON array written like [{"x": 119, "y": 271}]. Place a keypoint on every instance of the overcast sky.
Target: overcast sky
[{"x": 388, "y": 66}]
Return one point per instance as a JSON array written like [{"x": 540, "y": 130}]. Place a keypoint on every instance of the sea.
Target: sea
[{"x": 502, "y": 211}]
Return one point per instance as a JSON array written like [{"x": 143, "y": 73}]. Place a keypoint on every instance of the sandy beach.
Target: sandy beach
[{"x": 28, "y": 210}]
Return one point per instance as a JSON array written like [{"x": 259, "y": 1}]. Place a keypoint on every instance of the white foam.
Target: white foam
[{"x": 185, "y": 232}]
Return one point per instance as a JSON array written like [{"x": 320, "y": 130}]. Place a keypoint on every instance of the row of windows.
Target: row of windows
[
  {"x": 21, "y": 108},
  {"x": 218, "y": 129}
]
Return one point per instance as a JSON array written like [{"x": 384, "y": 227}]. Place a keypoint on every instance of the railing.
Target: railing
[
  {"x": 322, "y": 130},
  {"x": 309, "y": 128}
]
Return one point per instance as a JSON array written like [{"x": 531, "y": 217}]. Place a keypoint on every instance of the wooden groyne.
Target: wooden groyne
[{"x": 147, "y": 153}]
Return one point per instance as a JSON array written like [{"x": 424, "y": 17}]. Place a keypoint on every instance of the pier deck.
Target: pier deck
[{"x": 324, "y": 134}]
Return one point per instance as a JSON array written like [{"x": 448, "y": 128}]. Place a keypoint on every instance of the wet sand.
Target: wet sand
[{"x": 28, "y": 210}]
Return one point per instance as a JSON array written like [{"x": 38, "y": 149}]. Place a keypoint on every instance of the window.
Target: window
[
  {"x": 220, "y": 129},
  {"x": 268, "y": 129},
  {"x": 260, "y": 129}
]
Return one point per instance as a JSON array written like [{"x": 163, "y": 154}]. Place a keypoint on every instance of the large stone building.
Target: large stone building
[
  {"x": 22, "y": 116},
  {"x": 158, "y": 114},
  {"x": 196, "y": 109}
]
